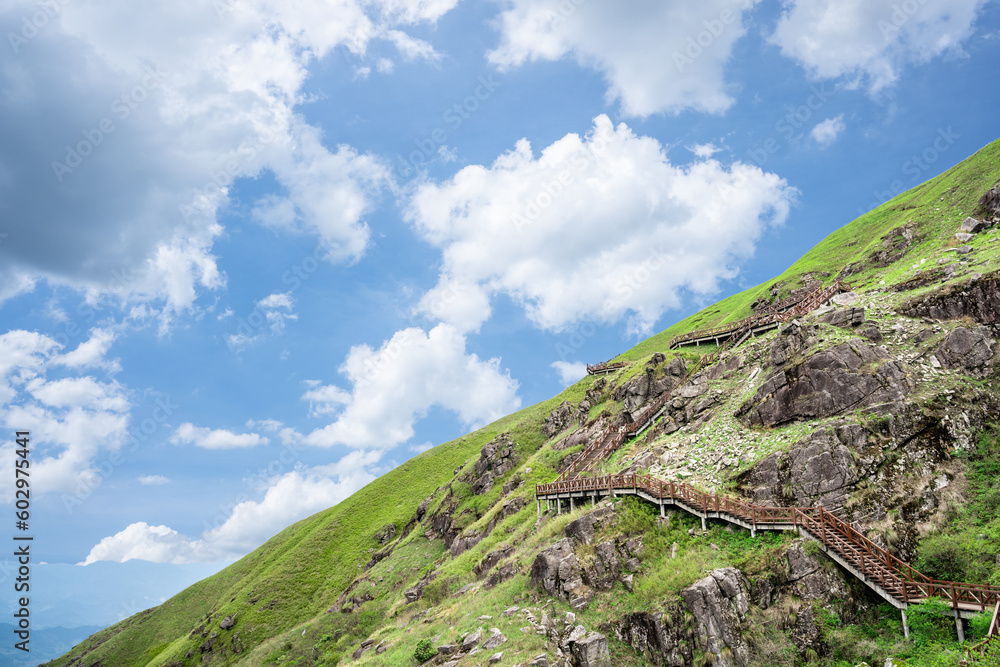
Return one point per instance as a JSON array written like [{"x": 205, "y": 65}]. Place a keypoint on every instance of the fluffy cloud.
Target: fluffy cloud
[
  {"x": 600, "y": 227},
  {"x": 126, "y": 128},
  {"x": 289, "y": 497},
  {"x": 207, "y": 438},
  {"x": 570, "y": 372},
  {"x": 72, "y": 419},
  {"x": 826, "y": 132},
  {"x": 159, "y": 544},
  {"x": 662, "y": 56},
  {"x": 873, "y": 39},
  {"x": 394, "y": 386}
]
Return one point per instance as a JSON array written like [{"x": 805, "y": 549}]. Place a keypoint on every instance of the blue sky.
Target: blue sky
[{"x": 253, "y": 256}]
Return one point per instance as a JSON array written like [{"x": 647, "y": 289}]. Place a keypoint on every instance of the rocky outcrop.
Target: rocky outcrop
[
  {"x": 849, "y": 376},
  {"x": 582, "y": 529},
  {"x": 496, "y": 459},
  {"x": 820, "y": 469},
  {"x": 791, "y": 339},
  {"x": 639, "y": 390},
  {"x": 976, "y": 299},
  {"x": 719, "y": 604},
  {"x": 590, "y": 399},
  {"x": 657, "y": 636},
  {"x": 556, "y": 571},
  {"x": 386, "y": 533},
  {"x": 968, "y": 349},
  {"x": 591, "y": 651},
  {"x": 844, "y": 318},
  {"x": 558, "y": 420},
  {"x": 990, "y": 202},
  {"x": 860, "y": 471},
  {"x": 491, "y": 559},
  {"x": 894, "y": 246}
]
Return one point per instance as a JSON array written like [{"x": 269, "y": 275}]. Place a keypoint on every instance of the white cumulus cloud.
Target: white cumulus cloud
[
  {"x": 394, "y": 386},
  {"x": 872, "y": 39},
  {"x": 153, "y": 480},
  {"x": 601, "y": 227},
  {"x": 125, "y": 129},
  {"x": 655, "y": 56},
  {"x": 188, "y": 433},
  {"x": 289, "y": 497},
  {"x": 73, "y": 420}
]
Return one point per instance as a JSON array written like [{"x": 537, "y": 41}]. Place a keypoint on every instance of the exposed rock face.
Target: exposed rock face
[
  {"x": 719, "y": 603},
  {"x": 495, "y": 640},
  {"x": 386, "y": 533},
  {"x": 590, "y": 399},
  {"x": 637, "y": 391},
  {"x": 851, "y": 375},
  {"x": 657, "y": 637},
  {"x": 413, "y": 593},
  {"x": 472, "y": 640},
  {"x": 509, "y": 508},
  {"x": 991, "y": 201},
  {"x": 818, "y": 470},
  {"x": 558, "y": 419},
  {"x": 227, "y": 622},
  {"x": 491, "y": 559},
  {"x": 844, "y": 317},
  {"x": 591, "y": 651},
  {"x": 902, "y": 460},
  {"x": 971, "y": 349},
  {"x": 582, "y": 529},
  {"x": 978, "y": 299},
  {"x": 809, "y": 580},
  {"x": 612, "y": 560},
  {"x": 791, "y": 339},
  {"x": 556, "y": 571},
  {"x": 495, "y": 460}
]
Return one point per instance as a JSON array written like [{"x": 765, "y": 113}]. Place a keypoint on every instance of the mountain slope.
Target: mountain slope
[{"x": 463, "y": 513}]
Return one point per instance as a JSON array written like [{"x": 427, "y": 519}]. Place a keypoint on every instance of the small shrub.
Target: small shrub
[
  {"x": 931, "y": 622},
  {"x": 424, "y": 651}
]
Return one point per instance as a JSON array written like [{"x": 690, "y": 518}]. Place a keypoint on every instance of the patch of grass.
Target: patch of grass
[{"x": 966, "y": 547}]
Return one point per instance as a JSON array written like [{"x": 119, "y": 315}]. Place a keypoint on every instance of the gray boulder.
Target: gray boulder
[
  {"x": 495, "y": 640},
  {"x": 719, "y": 603},
  {"x": 844, "y": 317},
  {"x": 973, "y": 226},
  {"x": 970, "y": 349},
  {"x": 472, "y": 640},
  {"x": 556, "y": 570},
  {"x": 591, "y": 651}
]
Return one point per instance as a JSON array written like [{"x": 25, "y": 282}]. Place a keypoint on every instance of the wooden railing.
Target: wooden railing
[
  {"x": 605, "y": 367},
  {"x": 989, "y": 646},
  {"x": 898, "y": 578},
  {"x": 782, "y": 312}
]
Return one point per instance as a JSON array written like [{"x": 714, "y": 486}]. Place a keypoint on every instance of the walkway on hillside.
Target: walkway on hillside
[
  {"x": 893, "y": 579},
  {"x": 769, "y": 318}
]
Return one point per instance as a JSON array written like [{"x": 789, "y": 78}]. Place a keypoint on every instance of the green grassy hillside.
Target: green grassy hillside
[{"x": 281, "y": 593}]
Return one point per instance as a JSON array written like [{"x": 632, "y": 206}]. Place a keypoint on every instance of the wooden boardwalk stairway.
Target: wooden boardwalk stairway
[
  {"x": 894, "y": 580},
  {"x": 891, "y": 578}
]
